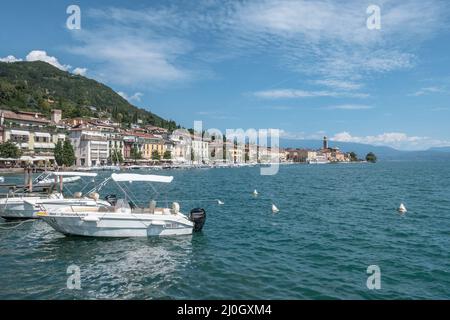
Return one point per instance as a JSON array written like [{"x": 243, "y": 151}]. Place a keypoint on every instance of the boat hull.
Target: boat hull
[
  {"x": 29, "y": 207},
  {"x": 115, "y": 225},
  {"x": 17, "y": 209}
]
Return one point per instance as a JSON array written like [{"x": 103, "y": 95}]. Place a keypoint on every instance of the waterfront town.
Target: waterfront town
[{"x": 103, "y": 142}]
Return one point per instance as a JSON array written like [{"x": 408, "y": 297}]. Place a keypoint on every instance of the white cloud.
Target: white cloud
[
  {"x": 39, "y": 55},
  {"x": 331, "y": 38},
  {"x": 396, "y": 140},
  {"x": 169, "y": 44},
  {"x": 296, "y": 93},
  {"x": 133, "y": 55},
  {"x": 80, "y": 71},
  {"x": 428, "y": 90},
  {"x": 350, "y": 107},
  {"x": 10, "y": 59},
  {"x": 135, "y": 97},
  {"x": 339, "y": 84}
]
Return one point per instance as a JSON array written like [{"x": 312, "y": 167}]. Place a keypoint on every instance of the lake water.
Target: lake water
[{"x": 334, "y": 221}]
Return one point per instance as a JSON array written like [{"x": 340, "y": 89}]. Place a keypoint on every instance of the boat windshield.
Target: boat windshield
[{"x": 122, "y": 206}]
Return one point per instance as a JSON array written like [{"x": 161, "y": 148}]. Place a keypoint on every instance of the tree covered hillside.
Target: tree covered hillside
[{"x": 39, "y": 86}]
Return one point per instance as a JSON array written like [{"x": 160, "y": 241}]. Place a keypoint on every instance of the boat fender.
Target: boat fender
[
  {"x": 175, "y": 208},
  {"x": 94, "y": 196}
]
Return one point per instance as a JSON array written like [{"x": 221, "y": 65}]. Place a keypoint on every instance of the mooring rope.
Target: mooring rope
[{"x": 13, "y": 227}]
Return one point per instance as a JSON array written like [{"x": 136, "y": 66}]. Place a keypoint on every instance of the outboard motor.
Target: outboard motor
[
  {"x": 112, "y": 199},
  {"x": 198, "y": 217}
]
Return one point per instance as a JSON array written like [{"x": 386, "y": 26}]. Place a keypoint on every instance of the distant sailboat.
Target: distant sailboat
[
  {"x": 402, "y": 208},
  {"x": 255, "y": 193},
  {"x": 275, "y": 209}
]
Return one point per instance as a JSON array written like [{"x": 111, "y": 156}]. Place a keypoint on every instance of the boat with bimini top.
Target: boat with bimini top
[{"x": 123, "y": 218}]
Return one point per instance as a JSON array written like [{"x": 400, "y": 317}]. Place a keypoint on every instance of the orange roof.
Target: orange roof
[{"x": 24, "y": 116}]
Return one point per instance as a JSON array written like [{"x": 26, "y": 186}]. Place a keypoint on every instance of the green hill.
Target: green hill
[{"x": 39, "y": 86}]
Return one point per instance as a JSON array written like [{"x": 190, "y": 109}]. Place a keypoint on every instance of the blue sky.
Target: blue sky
[{"x": 308, "y": 68}]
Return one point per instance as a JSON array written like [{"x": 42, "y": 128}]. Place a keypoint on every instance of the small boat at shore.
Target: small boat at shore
[
  {"x": 25, "y": 204},
  {"x": 123, "y": 219}
]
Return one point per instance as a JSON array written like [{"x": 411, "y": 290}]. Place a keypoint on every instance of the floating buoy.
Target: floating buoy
[
  {"x": 275, "y": 209},
  {"x": 255, "y": 193},
  {"x": 220, "y": 202},
  {"x": 402, "y": 208}
]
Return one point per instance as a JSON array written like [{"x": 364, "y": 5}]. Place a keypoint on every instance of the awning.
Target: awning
[
  {"x": 44, "y": 145},
  {"x": 42, "y": 134},
  {"x": 20, "y": 133}
]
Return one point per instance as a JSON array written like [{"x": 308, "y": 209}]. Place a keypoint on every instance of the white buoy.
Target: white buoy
[
  {"x": 220, "y": 202},
  {"x": 275, "y": 209},
  {"x": 402, "y": 208},
  {"x": 255, "y": 193}
]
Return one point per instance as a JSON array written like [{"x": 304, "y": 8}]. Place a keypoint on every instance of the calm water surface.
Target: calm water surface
[{"x": 334, "y": 221}]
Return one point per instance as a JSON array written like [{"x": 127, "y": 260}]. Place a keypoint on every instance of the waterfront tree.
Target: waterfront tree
[
  {"x": 116, "y": 156},
  {"x": 58, "y": 152},
  {"x": 68, "y": 154},
  {"x": 9, "y": 150},
  {"x": 156, "y": 155},
  {"x": 135, "y": 153},
  {"x": 353, "y": 156},
  {"x": 371, "y": 157},
  {"x": 167, "y": 155}
]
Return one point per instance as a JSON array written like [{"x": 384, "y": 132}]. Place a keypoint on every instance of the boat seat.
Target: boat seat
[{"x": 148, "y": 211}]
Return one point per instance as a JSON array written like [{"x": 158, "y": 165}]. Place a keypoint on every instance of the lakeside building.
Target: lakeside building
[
  {"x": 235, "y": 152},
  {"x": 333, "y": 154},
  {"x": 156, "y": 130},
  {"x": 251, "y": 153},
  {"x": 91, "y": 146},
  {"x": 147, "y": 144},
  {"x": 129, "y": 142},
  {"x": 300, "y": 155},
  {"x": 101, "y": 141},
  {"x": 181, "y": 146},
  {"x": 215, "y": 151},
  {"x": 323, "y": 155},
  {"x": 116, "y": 147},
  {"x": 200, "y": 149},
  {"x": 35, "y": 135}
]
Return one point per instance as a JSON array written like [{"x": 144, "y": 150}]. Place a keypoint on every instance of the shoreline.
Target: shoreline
[{"x": 6, "y": 171}]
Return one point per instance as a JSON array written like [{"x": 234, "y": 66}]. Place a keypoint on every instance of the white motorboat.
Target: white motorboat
[
  {"x": 121, "y": 220},
  {"x": 26, "y": 205},
  {"x": 2, "y": 179},
  {"x": 23, "y": 206}
]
